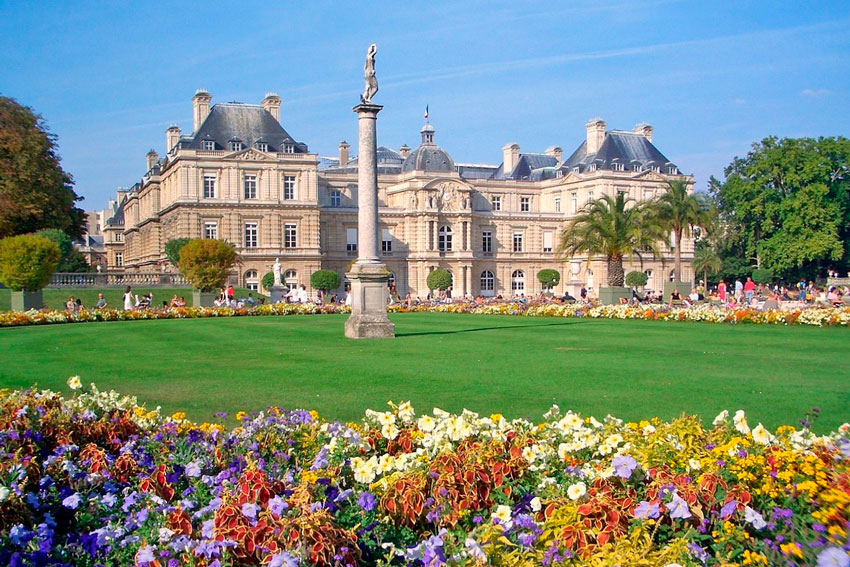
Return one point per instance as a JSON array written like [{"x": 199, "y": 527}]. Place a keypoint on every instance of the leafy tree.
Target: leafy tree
[
  {"x": 549, "y": 278},
  {"x": 72, "y": 260},
  {"x": 325, "y": 280},
  {"x": 706, "y": 261},
  {"x": 636, "y": 279},
  {"x": 27, "y": 261},
  {"x": 439, "y": 279},
  {"x": 609, "y": 227},
  {"x": 762, "y": 276},
  {"x": 172, "y": 249},
  {"x": 680, "y": 211},
  {"x": 268, "y": 280},
  {"x": 206, "y": 262},
  {"x": 35, "y": 192}
]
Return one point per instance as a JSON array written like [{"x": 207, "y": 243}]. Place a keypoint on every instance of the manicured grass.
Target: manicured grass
[
  {"x": 515, "y": 365},
  {"x": 56, "y": 298}
]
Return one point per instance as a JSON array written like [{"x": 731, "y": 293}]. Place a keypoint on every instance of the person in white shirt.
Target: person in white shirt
[
  {"x": 303, "y": 297},
  {"x": 292, "y": 295},
  {"x": 129, "y": 300}
]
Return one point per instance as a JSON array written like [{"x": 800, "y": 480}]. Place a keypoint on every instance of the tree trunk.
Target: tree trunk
[
  {"x": 616, "y": 276},
  {"x": 677, "y": 253}
]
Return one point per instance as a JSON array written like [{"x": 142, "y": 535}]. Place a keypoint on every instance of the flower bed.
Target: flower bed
[{"x": 95, "y": 479}]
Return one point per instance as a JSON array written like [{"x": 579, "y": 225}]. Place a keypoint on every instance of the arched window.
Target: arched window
[
  {"x": 673, "y": 275},
  {"x": 649, "y": 283},
  {"x": 488, "y": 283},
  {"x": 252, "y": 281},
  {"x": 589, "y": 274},
  {"x": 445, "y": 239},
  {"x": 518, "y": 282},
  {"x": 391, "y": 280},
  {"x": 290, "y": 279}
]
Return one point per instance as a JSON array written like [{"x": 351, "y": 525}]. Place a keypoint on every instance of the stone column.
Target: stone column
[{"x": 368, "y": 276}]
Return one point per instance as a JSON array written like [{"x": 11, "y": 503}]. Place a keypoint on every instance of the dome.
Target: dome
[{"x": 428, "y": 156}]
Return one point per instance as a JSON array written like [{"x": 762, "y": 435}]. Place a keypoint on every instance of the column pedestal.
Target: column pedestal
[{"x": 368, "y": 319}]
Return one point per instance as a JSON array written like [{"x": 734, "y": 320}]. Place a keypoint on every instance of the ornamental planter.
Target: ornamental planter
[
  {"x": 612, "y": 295},
  {"x": 26, "y": 300},
  {"x": 203, "y": 298}
]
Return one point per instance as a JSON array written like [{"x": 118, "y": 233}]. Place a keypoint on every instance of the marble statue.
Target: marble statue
[
  {"x": 369, "y": 74},
  {"x": 276, "y": 272}
]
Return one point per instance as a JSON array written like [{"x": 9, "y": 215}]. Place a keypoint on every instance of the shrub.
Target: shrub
[
  {"x": 206, "y": 263},
  {"x": 28, "y": 261},
  {"x": 549, "y": 278},
  {"x": 267, "y": 281},
  {"x": 636, "y": 279},
  {"x": 439, "y": 279},
  {"x": 762, "y": 276},
  {"x": 325, "y": 280},
  {"x": 172, "y": 249}
]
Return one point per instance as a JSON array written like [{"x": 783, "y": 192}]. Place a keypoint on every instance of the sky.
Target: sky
[{"x": 711, "y": 77}]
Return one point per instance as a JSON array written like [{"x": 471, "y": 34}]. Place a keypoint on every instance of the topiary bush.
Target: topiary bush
[
  {"x": 762, "y": 276},
  {"x": 549, "y": 278},
  {"x": 325, "y": 280},
  {"x": 267, "y": 281},
  {"x": 172, "y": 249},
  {"x": 439, "y": 279},
  {"x": 206, "y": 263},
  {"x": 636, "y": 279},
  {"x": 28, "y": 261}
]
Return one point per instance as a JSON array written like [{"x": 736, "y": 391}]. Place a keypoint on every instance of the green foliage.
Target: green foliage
[
  {"x": 72, "y": 260},
  {"x": 206, "y": 263},
  {"x": 325, "y": 280},
  {"x": 762, "y": 276},
  {"x": 636, "y": 279},
  {"x": 610, "y": 227},
  {"x": 439, "y": 279},
  {"x": 27, "y": 261},
  {"x": 172, "y": 249},
  {"x": 35, "y": 192},
  {"x": 706, "y": 261},
  {"x": 75, "y": 262},
  {"x": 549, "y": 278},
  {"x": 267, "y": 281},
  {"x": 680, "y": 211}
]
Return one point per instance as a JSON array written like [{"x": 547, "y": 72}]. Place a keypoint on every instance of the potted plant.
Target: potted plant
[
  {"x": 549, "y": 279},
  {"x": 206, "y": 263},
  {"x": 27, "y": 262}
]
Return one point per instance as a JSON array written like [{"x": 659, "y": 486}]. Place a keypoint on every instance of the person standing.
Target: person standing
[
  {"x": 721, "y": 291},
  {"x": 739, "y": 289},
  {"x": 129, "y": 300},
  {"x": 749, "y": 289}
]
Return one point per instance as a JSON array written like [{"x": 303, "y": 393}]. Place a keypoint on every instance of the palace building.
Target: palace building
[{"x": 241, "y": 177}]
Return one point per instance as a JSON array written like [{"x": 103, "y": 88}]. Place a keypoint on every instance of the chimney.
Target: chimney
[
  {"x": 172, "y": 136},
  {"x": 404, "y": 150},
  {"x": 200, "y": 107},
  {"x": 555, "y": 152},
  {"x": 152, "y": 156},
  {"x": 343, "y": 153},
  {"x": 644, "y": 130},
  {"x": 510, "y": 157},
  {"x": 595, "y": 135},
  {"x": 272, "y": 104}
]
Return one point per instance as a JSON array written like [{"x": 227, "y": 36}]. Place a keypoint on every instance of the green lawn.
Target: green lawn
[
  {"x": 515, "y": 365},
  {"x": 56, "y": 298}
]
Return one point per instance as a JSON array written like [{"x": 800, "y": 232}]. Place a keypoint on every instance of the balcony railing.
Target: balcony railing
[{"x": 116, "y": 279}]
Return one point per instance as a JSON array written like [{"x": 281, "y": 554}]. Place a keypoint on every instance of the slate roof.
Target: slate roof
[
  {"x": 389, "y": 161},
  {"x": 476, "y": 170},
  {"x": 428, "y": 156},
  {"x": 628, "y": 148},
  {"x": 245, "y": 122},
  {"x": 117, "y": 219}
]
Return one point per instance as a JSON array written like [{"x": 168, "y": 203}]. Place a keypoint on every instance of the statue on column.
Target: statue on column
[
  {"x": 369, "y": 74},
  {"x": 276, "y": 272}
]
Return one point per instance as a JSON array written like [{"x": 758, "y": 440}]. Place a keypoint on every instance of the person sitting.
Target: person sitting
[
  {"x": 251, "y": 301},
  {"x": 772, "y": 303},
  {"x": 675, "y": 297},
  {"x": 78, "y": 306},
  {"x": 145, "y": 302},
  {"x": 101, "y": 301},
  {"x": 70, "y": 305},
  {"x": 175, "y": 302},
  {"x": 694, "y": 296}
]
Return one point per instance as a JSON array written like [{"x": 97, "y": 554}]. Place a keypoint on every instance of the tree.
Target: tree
[
  {"x": 549, "y": 278},
  {"x": 35, "y": 192},
  {"x": 325, "y": 280},
  {"x": 172, "y": 249},
  {"x": 609, "y": 227},
  {"x": 27, "y": 262},
  {"x": 679, "y": 211},
  {"x": 636, "y": 279},
  {"x": 72, "y": 260},
  {"x": 267, "y": 281},
  {"x": 206, "y": 262},
  {"x": 439, "y": 279},
  {"x": 706, "y": 261},
  {"x": 762, "y": 276}
]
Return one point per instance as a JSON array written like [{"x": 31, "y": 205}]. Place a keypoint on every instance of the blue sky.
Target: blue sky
[{"x": 711, "y": 77}]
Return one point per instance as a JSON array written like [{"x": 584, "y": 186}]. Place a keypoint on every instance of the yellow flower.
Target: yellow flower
[
  {"x": 178, "y": 416},
  {"x": 240, "y": 415}
]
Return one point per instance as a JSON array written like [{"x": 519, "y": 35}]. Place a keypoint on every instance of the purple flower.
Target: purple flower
[
  {"x": 678, "y": 508},
  {"x": 728, "y": 509},
  {"x": 833, "y": 557},
  {"x": 249, "y": 510},
  {"x": 366, "y": 501},
  {"x": 646, "y": 510},
  {"x": 193, "y": 470},
  {"x": 145, "y": 555},
  {"x": 277, "y": 506},
  {"x": 624, "y": 465},
  {"x": 72, "y": 501},
  {"x": 283, "y": 559}
]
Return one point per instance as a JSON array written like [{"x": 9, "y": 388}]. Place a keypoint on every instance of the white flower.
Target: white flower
[
  {"x": 528, "y": 454},
  {"x": 536, "y": 504},
  {"x": 572, "y": 421},
  {"x": 721, "y": 417},
  {"x": 740, "y": 420},
  {"x": 577, "y": 490},
  {"x": 405, "y": 411},
  {"x": 4, "y": 493},
  {"x": 74, "y": 383},
  {"x": 761, "y": 435},
  {"x": 564, "y": 450},
  {"x": 165, "y": 534},
  {"x": 694, "y": 464},
  {"x": 390, "y": 431},
  {"x": 503, "y": 514},
  {"x": 426, "y": 423},
  {"x": 649, "y": 430},
  {"x": 386, "y": 418}
]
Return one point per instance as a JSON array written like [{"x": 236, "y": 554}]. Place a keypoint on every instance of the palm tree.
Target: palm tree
[
  {"x": 679, "y": 211},
  {"x": 706, "y": 260},
  {"x": 609, "y": 227}
]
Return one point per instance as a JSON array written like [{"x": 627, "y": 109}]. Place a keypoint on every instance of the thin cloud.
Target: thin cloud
[{"x": 815, "y": 92}]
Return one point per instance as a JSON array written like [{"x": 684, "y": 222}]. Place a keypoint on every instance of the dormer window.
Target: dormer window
[
  {"x": 672, "y": 170},
  {"x": 289, "y": 148},
  {"x": 208, "y": 145},
  {"x": 262, "y": 146},
  {"x": 617, "y": 166},
  {"x": 592, "y": 167},
  {"x": 576, "y": 170},
  {"x": 559, "y": 173},
  {"x": 235, "y": 145},
  {"x": 635, "y": 167}
]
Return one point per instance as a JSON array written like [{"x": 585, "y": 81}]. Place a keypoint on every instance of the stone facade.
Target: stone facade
[{"x": 240, "y": 177}]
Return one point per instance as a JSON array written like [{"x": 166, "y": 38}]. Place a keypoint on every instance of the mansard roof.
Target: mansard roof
[
  {"x": 619, "y": 147},
  {"x": 117, "y": 218},
  {"x": 389, "y": 161},
  {"x": 247, "y": 123}
]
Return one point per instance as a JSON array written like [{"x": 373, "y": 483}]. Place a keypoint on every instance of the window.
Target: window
[
  {"x": 574, "y": 202},
  {"x": 488, "y": 282},
  {"x": 235, "y": 146},
  {"x": 557, "y": 204},
  {"x": 262, "y": 146},
  {"x": 211, "y": 230},
  {"x": 119, "y": 259},
  {"x": 290, "y": 279},
  {"x": 290, "y": 235},
  {"x": 589, "y": 196},
  {"x": 336, "y": 199},
  {"x": 119, "y": 237},
  {"x": 617, "y": 166},
  {"x": 209, "y": 186},
  {"x": 250, "y": 182},
  {"x": 444, "y": 242},
  {"x": 288, "y": 187},
  {"x": 518, "y": 282},
  {"x": 252, "y": 280},
  {"x": 518, "y": 241},
  {"x": 288, "y": 148},
  {"x": 487, "y": 241},
  {"x": 351, "y": 239},
  {"x": 576, "y": 170},
  {"x": 386, "y": 241},
  {"x": 592, "y": 167},
  {"x": 250, "y": 235},
  {"x": 208, "y": 145},
  {"x": 524, "y": 204},
  {"x": 635, "y": 167},
  {"x": 547, "y": 241},
  {"x": 672, "y": 170},
  {"x": 496, "y": 202}
]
